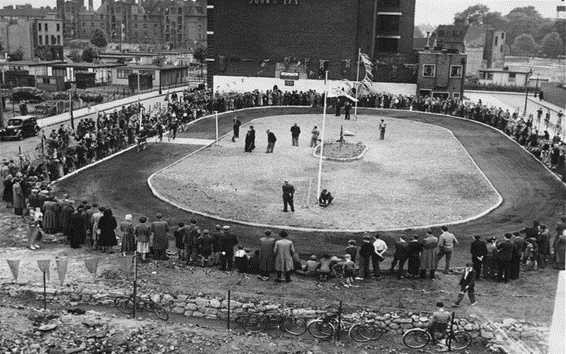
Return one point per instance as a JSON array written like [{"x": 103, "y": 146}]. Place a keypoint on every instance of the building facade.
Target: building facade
[
  {"x": 441, "y": 74},
  {"x": 42, "y": 38},
  {"x": 265, "y": 38},
  {"x": 504, "y": 77}
]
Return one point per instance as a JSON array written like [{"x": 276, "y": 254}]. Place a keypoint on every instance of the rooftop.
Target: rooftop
[
  {"x": 495, "y": 70},
  {"x": 30, "y": 63},
  {"x": 155, "y": 67},
  {"x": 86, "y": 65}
]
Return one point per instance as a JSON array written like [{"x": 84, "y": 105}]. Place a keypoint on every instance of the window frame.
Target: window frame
[
  {"x": 433, "y": 70},
  {"x": 461, "y": 71}
]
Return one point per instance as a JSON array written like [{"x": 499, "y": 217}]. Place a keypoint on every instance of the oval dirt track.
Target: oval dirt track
[{"x": 528, "y": 189}]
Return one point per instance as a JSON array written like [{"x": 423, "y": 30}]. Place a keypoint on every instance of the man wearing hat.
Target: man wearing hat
[
  {"x": 366, "y": 252},
  {"x": 288, "y": 194},
  {"x": 489, "y": 266},
  {"x": 478, "y": 249},
  {"x": 227, "y": 244},
  {"x": 159, "y": 229},
  {"x": 284, "y": 250},
  {"x": 266, "y": 255},
  {"x": 505, "y": 251}
]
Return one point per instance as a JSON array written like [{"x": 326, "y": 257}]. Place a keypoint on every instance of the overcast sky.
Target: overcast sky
[{"x": 432, "y": 12}]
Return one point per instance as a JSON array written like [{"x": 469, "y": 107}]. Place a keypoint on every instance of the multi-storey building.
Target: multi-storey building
[
  {"x": 441, "y": 73},
  {"x": 41, "y": 37},
  {"x": 309, "y": 35}
]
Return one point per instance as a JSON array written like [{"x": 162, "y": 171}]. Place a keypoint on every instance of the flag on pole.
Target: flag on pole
[
  {"x": 14, "y": 265},
  {"x": 92, "y": 265},
  {"x": 368, "y": 67},
  {"x": 62, "y": 269},
  {"x": 44, "y": 267},
  {"x": 127, "y": 263}
]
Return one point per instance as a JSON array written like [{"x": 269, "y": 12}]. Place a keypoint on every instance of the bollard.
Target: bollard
[
  {"x": 44, "y": 292},
  {"x": 228, "y": 314}
]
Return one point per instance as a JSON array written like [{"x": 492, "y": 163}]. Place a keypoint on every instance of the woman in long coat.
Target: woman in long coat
[
  {"x": 107, "y": 226},
  {"x": 8, "y": 195},
  {"x": 414, "y": 257},
  {"x": 49, "y": 216},
  {"x": 266, "y": 255},
  {"x": 428, "y": 255},
  {"x": 19, "y": 199},
  {"x": 76, "y": 229},
  {"x": 128, "y": 238},
  {"x": 284, "y": 251}
]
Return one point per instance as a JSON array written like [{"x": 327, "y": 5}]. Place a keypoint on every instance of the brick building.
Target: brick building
[
  {"x": 39, "y": 37},
  {"x": 441, "y": 73},
  {"x": 266, "y": 37}
]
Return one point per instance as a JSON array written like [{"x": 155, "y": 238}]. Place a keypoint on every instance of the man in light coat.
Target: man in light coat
[
  {"x": 266, "y": 255},
  {"x": 284, "y": 252},
  {"x": 159, "y": 230}
]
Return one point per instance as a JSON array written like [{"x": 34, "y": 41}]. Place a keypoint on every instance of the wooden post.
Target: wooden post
[
  {"x": 44, "y": 292},
  {"x": 135, "y": 284},
  {"x": 228, "y": 314},
  {"x": 339, "y": 321}
]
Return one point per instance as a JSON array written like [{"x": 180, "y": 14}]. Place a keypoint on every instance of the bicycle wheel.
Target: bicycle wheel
[
  {"x": 460, "y": 340},
  {"x": 416, "y": 338},
  {"x": 321, "y": 329},
  {"x": 124, "y": 304},
  {"x": 363, "y": 332},
  {"x": 294, "y": 325},
  {"x": 254, "y": 323},
  {"x": 159, "y": 311}
]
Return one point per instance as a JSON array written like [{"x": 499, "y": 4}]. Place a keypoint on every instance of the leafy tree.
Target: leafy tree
[
  {"x": 522, "y": 20},
  {"x": 473, "y": 14},
  {"x": 159, "y": 61},
  {"x": 552, "y": 45},
  {"x": 75, "y": 55},
  {"x": 524, "y": 45},
  {"x": 89, "y": 54},
  {"x": 418, "y": 33},
  {"x": 200, "y": 54},
  {"x": 98, "y": 38},
  {"x": 495, "y": 20}
]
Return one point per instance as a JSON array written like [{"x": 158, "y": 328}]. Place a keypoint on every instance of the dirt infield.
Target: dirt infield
[{"x": 420, "y": 175}]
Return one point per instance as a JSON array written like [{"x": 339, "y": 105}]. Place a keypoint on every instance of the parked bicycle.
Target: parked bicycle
[
  {"x": 328, "y": 326},
  {"x": 126, "y": 305},
  {"x": 261, "y": 322},
  {"x": 417, "y": 338}
]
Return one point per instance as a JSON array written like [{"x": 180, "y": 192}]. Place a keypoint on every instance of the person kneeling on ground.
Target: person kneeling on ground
[
  {"x": 325, "y": 198},
  {"x": 310, "y": 269},
  {"x": 439, "y": 321}
]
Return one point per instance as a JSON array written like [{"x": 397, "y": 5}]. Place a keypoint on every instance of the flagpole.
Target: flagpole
[
  {"x": 322, "y": 135},
  {"x": 357, "y": 84}
]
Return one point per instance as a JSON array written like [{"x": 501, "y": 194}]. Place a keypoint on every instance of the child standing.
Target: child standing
[
  {"x": 348, "y": 268},
  {"x": 352, "y": 250},
  {"x": 324, "y": 268},
  {"x": 142, "y": 233}
]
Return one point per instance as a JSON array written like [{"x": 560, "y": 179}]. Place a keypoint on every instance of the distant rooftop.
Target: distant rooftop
[
  {"x": 501, "y": 70},
  {"x": 86, "y": 65},
  {"x": 30, "y": 63},
  {"x": 26, "y": 11}
]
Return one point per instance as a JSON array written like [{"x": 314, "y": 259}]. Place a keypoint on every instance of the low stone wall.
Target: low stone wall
[{"x": 500, "y": 337}]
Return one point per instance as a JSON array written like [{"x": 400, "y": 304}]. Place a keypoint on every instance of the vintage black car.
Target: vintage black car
[{"x": 19, "y": 128}]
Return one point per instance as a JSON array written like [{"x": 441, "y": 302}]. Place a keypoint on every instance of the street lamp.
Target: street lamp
[{"x": 527, "y": 91}]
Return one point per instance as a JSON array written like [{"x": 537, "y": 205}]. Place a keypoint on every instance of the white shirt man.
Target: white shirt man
[{"x": 379, "y": 247}]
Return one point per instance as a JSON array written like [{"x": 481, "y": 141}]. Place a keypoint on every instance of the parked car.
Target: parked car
[{"x": 19, "y": 128}]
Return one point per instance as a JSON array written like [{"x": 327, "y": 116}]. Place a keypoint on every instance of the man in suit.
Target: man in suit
[
  {"x": 227, "y": 244},
  {"x": 288, "y": 194},
  {"x": 284, "y": 251},
  {"x": 478, "y": 249},
  {"x": 467, "y": 285},
  {"x": 271, "y": 139},
  {"x": 503, "y": 257},
  {"x": 400, "y": 256}
]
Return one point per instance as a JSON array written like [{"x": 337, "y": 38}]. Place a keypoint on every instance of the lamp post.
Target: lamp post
[{"x": 527, "y": 91}]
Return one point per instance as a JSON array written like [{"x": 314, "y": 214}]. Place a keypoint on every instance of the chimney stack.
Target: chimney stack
[{"x": 90, "y": 5}]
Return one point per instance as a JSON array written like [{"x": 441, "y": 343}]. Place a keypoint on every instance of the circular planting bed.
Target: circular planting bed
[{"x": 341, "y": 151}]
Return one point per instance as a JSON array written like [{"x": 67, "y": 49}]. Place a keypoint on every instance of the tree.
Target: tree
[
  {"x": 98, "y": 38},
  {"x": 522, "y": 20},
  {"x": 159, "y": 60},
  {"x": 75, "y": 55},
  {"x": 495, "y": 20},
  {"x": 89, "y": 54},
  {"x": 43, "y": 53},
  {"x": 200, "y": 56},
  {"x": 418, "y": 33},
  {"x": 473, "y": 14},
  {"x": 524, "y": 45},
  {"x": 552, "y": 45}
]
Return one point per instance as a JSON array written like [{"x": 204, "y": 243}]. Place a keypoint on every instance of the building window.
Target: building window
[
  {"x": 123, "y": 74},
  {"x": 46, "y": 28},
  {"x": 496, "y": 41},
  {"x": 39, "y": 27},
  {"x": 390, "y": 3},
  {"x": 455, "y": 95},
  {"x": 84, "y": 24},
  {"x": 389, "y": 23},
  {"x": 503, "y": 35},
  {"x": 387, "y": 44},
  {"x": 59, "y": 39},
  {"x": 501, "y": 48},
  {"x": 46, "y": 40},
  {"x": 455, "y": 71},
  {"x": 46, "y": 80},
  {"x": 512, "y": 77},
  {"x": 58, "y": 28},
  {"x": 40, "y": 40},
  {"x": 429, "y": 70}
]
